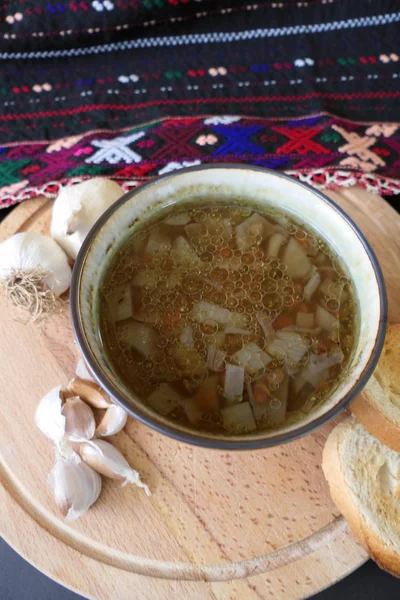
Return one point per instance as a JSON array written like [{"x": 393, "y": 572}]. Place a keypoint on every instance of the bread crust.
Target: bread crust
[
  {"x": 346, "y": 503},
  {"x": 375, "y": 422}
]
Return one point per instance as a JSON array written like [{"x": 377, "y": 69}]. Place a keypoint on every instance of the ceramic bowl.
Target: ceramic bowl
[{"x": 221, "y": 183}]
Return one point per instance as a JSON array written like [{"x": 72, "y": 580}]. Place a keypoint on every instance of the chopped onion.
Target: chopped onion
[
  {"x": 275, "y": 243},
  {"x": 183, "y": 252},
  {"x": 314, "y": 331},
  {"x": 252, "y": 358},
  {"x": 138, "y": 336},
  {"x": 289, "y": 344},
  {"x": 180, "y": 218},
  {"x": 315, "y": 379},
  {"x": 321, "y": 362},
  {"x": 158, "y": 242},
  {"x": 164, "y": 399},
  {"x": 186, "y": 337},
  {"x": 236, "y": 330},
  {"x": 266, "y": 324},
  {"x": 206, "y": 311},
  {"x": 312, "y": 284},
  {"x": 120, "y": 304},
  {"x": 325, "y": 320},
  {"x": 215, "y": 358},
  {"x": 252, "y": 231},
  {"x": 233, "y": 386}
]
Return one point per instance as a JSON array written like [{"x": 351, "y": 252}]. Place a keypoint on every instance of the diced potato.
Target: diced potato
[
  {"x": 238, "y": 418},
  {"x": 274, "y": 245},
  {"x": 121, "y": 304},
  {"x": 138, "y": 336},
  {"x": 192, "y": 411},
  {"x": 305, "y": 320},
  {"x": 164, "y": 399},
  {"x": 253, "y": 231},
  {"x": 186, "y": 337},
  {"x": 233, "y": 384},
  {"x": 158, "y": 242},
  {"x": 180, "y": 218},
  {"x": 252, "y": 358},
  {"x": 325, "y": 320},
  {"x": 296, "y": 259},
  {"x": 189, "y": 361},
  {"x": 146, "y": 279},
  {"x": 207, "y": 396},
  {"x": 183, "y": 252}
]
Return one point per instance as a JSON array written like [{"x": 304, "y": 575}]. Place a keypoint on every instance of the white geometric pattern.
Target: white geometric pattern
[
  {"x": 212, "y": 37},
  {"x": 115, "y": 150}
]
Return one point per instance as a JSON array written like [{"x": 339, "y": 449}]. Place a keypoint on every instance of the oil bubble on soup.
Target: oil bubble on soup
[{"x": 226, "y": 318}]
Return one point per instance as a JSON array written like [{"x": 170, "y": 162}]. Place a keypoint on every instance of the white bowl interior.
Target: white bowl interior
[{"x": 260, "y": 187}]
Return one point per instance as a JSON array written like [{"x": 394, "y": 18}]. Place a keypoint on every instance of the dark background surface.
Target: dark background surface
[{"x": 20, "y": 581}]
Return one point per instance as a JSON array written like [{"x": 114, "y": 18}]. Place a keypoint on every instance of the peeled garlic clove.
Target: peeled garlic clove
[
  {"x": 79, "y": 420},
  {"x": 49, "y": 418},
  {"x": 108, "y": 461},
  {"x": 113, "y": 421},
  {"x": 90, "y": 392},
  {"x": 83, "y": 373},
  {"x": 75, "y": 485},
  {"x": 77, "y": 208}
]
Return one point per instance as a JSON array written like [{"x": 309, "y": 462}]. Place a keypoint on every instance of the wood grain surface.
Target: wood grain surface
[{"x": 219, "y": 525}]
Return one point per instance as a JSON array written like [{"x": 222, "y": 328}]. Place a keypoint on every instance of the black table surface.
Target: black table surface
[{"x": 20, "y": 581}]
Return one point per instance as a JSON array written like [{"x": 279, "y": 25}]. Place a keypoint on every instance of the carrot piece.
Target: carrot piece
[
  {"x": 284, "y": 320},
  {"x": 322, "y": 387},
  {"x": 302, "y": 307}
]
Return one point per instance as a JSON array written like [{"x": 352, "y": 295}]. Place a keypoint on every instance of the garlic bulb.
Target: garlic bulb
[
  {"x": 82, "y": 372},
  {"x": 34, "y": 272},
  {"x": 75, "y": 485},
  {"x": 113, "y": 422},
  {"x": 77, "y": 208},
  {"x": 26, "y": 252},
  {"x": 79, "y": 420},
  {"x": 90, "y": 392},
  {"x": 49, "y": 418},
  {"x": 108, "y": 461}
]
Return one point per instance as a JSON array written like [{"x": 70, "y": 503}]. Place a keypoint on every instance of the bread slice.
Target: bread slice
[
  {"x": 364, "y": 481},
  {"x": 378, "y": 407}
]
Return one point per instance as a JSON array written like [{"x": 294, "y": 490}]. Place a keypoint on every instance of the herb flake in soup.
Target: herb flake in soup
[{"x": 227, "y": 319}]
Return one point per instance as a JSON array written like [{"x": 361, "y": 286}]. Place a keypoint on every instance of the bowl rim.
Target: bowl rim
[{"x": 194, "y": 438}]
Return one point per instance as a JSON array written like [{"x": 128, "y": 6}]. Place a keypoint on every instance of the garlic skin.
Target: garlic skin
[
  {"x": 82, "y": 372},
  {"x": 79, "y": 420},
  {"x": 107, "y": 460},
  {"x": 28, "y": 251},
  {"x": 75, "y": 485},
  {"x": 90, "y": 392},
  {"x": 77, "y": 208},
  {"x": 48, "y": 416},
  {"x": 113, "y": 422}
]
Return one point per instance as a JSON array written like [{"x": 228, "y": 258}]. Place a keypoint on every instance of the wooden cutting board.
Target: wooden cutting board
[{"x": 219, "y": 525}]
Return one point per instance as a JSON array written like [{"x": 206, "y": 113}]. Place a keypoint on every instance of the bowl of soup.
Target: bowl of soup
[{"x": 228, "y": 306}]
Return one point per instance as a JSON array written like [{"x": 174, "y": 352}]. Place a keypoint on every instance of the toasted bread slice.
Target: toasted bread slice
[
  {"x": 378, "y": 407},
  {"x": 364, "y": 481}
]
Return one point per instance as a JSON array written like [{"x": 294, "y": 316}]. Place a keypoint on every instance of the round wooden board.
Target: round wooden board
[{"x": 219, "y": 525}]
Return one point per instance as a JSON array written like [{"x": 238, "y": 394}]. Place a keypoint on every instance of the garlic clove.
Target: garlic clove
[
  {"x": 90, "y": 392},
  {"x": 77, "y": 208},
  {"x": 48, "y": 416},
  {"x": 79, "y": 420},
  {"x": 107, "y": 460},
  {"x": 113, "y": 422},
  {"x": 82, "y": 372},
  {"x": 75, "y": 485},
  {"x": 65, "y": 393}
]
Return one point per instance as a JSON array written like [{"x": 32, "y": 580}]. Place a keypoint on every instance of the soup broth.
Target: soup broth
[{"x": 227, "y": 319}]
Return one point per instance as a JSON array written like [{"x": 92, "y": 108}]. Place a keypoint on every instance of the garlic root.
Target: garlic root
[
  {"x": 90, "y": 392},
  {"x": 107, "y": 460},
  {"x": 113, "y": 422},
  {"x": 34, "y": 272}
]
